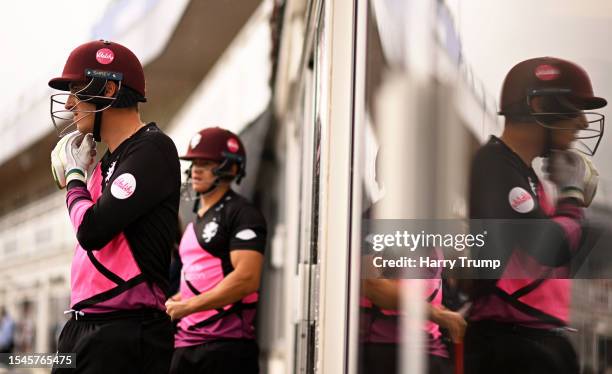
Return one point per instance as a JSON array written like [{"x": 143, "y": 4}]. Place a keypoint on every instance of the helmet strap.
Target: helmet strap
[
  {"x": 196, "y": 203},
  {"x": 548, "y": 139},
  {"x": 98, "y": 123},
  {"x": 212, "y": 187},
  {"x": 221, "y": 173},
  {"x": 548, "y": 143}
]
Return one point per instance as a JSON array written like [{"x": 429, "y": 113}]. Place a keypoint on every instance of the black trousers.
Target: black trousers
[
  {"x": 217, "y": 357},
  {"x": 492, "y": 347},
  {"x": 139, "y": 342},
  {"x": 382, "y": 358}
]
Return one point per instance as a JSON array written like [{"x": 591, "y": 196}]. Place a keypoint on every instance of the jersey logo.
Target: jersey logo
[
  {"x": 247, "y": 234},
  {"x": 123, "y": 186},
  {"x": 533, "y": 185},
  {"x": 110, "y": 171},
  {"x": 209, "y": 231},
  {"x": 520, "y": 200}
]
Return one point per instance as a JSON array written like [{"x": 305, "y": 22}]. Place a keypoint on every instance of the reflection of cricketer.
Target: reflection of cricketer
[{"x": 517, "y": 325}]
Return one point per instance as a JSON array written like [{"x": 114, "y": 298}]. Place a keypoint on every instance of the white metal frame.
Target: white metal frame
[
  {"x": 336, "y": 191},
  {"x": 324, "y": 288},
  {"x": 358, "y": 156}
]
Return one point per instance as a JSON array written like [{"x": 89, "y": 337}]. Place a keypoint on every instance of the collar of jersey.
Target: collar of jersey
[
  {"x": 222, "y": 199},
  {"x": 516, "y": 157},
  {"x": 132, "y": 137}
]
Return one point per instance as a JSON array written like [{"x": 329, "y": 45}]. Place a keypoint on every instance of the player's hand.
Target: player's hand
[
  {"x": 178, "y": 309},
  {"x": 175, "y": 297},
  {"x": 80, "y": 153},
  {"x": 574, "y": 175},
  {"x": 452, "y": 321},
  {"x": 591, "y": 180},
  {"x": 58, "y": 163},
  {"x": 72, "y": 158}
]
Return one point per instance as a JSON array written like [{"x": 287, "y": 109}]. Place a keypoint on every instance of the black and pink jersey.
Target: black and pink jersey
[
  {"x": 231, "y": 224},
  {"x": 503, "y": 187},
  {"x": 378, "y": 325},
  {"x": 382, "y": 326},
  {"x": 125, "y": 221}
]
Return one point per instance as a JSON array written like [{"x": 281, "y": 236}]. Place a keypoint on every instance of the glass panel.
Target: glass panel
[
  {"x": 433, "y": 74},
  {"x": 313, "y": 97}
]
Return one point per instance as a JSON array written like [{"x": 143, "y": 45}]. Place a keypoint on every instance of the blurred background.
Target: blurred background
[{"x": 314, "y": 88}]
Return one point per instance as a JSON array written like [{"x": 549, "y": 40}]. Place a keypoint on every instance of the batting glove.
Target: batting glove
[
  {"x": 72, "y": 157},
  {"x": 575, "y": 176}
]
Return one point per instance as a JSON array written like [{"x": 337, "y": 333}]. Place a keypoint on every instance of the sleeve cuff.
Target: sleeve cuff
[{"x": 75, "y": 183}]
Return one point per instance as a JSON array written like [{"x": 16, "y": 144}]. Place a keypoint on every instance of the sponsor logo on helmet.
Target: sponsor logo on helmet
[
  {"x": 195, "y": 140},
  {"x": 123, "y": 186},
  {"x": 105, "y": 56},
  {"x": 521, "y": 200},
  {"x": 233, "y": 145},
  {"x": 546, "y": 72}
]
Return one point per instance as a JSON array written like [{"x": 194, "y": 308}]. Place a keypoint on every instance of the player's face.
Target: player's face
[
  {"x": 202, "y": 176},
  {"x": 81, "y": 110},
  {"x": 566, "y": 129}
]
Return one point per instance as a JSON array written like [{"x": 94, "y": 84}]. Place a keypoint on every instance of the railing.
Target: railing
[{"x": 35, "y": 229}]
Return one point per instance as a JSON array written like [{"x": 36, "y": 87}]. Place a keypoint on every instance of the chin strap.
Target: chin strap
[
  {"x": 548, "y": 143},
  {"x": 196, "y": 204},
  {"x": 97, "y": 123},
  {"x": 221, "y": 174},
  {"x": 214, "y": 185},
  {"x": 548, "y": 140}
]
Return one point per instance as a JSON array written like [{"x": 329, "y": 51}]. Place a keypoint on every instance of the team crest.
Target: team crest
[
  {"x": 195, "y": 140},
  {"x": 533, "y": 185},
  {"x": 209, "y": 231},
  {"x": 110, "y": 171}
]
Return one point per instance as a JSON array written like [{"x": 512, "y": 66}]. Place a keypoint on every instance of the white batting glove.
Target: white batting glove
[
  {"x": 591, "y": 181},
  {"x": 57, "y": 166},
  {"x": 574, "y": 175},
  {"x": 72, "y": 157}
]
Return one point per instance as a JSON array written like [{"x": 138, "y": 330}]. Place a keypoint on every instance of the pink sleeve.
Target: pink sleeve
[
  {"x": 569, "y": 217},
  {"x": 78, "y": 200}
]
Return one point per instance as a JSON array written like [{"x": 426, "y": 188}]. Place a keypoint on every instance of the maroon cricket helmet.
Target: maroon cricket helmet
[
  {"x": 214, "y": 144},
  {"x": 547, "y": 76},
  {"x": 102, "y": 58},
  {"x": 219, "y": 145},
  {"x": 564, "y": 92}
]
